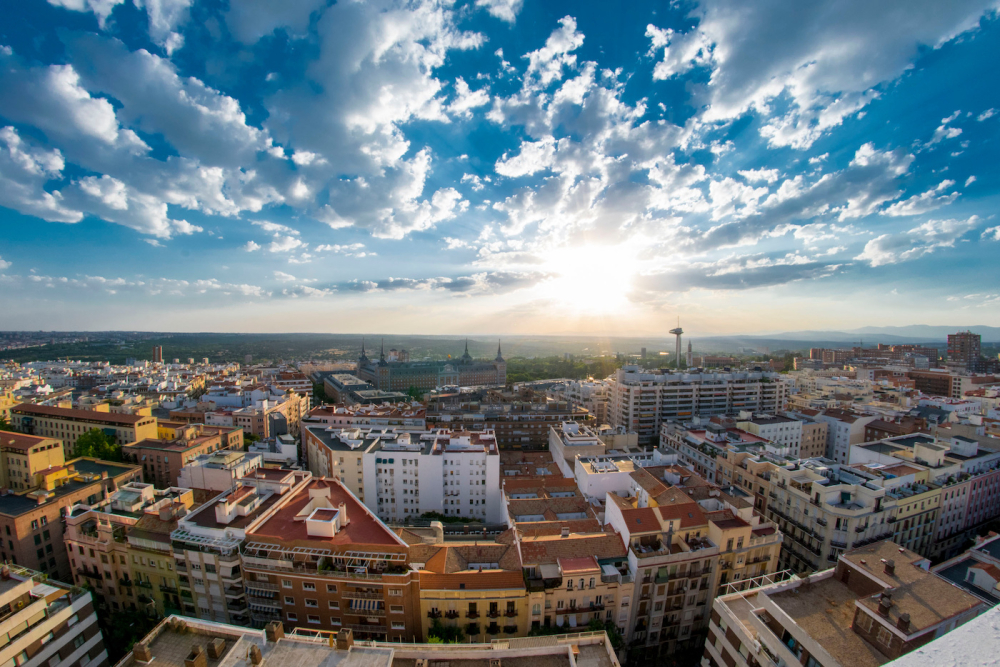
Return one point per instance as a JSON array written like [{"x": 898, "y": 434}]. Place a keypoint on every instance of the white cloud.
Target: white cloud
[
  {"x": 284, "y": 277},
  {"x": 944, "y": 131},
  {"x": 924, "y": 203},
  {"x": 4, "y": 264},
  {"x": 251, "y": 246},
  {"x": 819, "y": 54},
  {"x": 348, "y": 250},
  {"x": 274, "y": 227},
  {"x": 466, "y": 100},
  {"x": 505, "y": 10},
  {"x": 24, "y": 170},
  {"x": 991, "y": 234},
  {"x": 986, "y": 115},
  {"x": 917, "y": 242},
  {"x": 969, "y": 181},
  {"x": 758, "y": 175},
  {"x": 285, "y": 244}
]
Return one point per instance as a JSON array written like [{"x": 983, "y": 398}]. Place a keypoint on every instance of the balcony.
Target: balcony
[
  {"x": 168, "y": 589},
  {"x": 362, "y": 595},
  {"x": 472, "y": 614},
  {"x": 511, "y": 613},
  {"x": 510, "y": 629},
  {"x": 472, "y": 629},
  {"x": 84, "y": 572},
  {"x": 144, "y": 584},
  {"x": 451, "y": 613},
  {"x": 434, "y": 613},
  {"x": 493, "y": 614}
]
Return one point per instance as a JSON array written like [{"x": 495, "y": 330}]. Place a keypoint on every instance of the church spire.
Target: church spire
[{"x": 499, "y": 356}]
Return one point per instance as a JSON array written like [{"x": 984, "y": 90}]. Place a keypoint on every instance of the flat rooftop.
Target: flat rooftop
[
  {"x": 330, "y": 437},
  {"x": 17, "y": 504}
]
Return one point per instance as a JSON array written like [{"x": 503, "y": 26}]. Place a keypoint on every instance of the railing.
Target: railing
[
  {"x": 261, "y": 585},
  {"x": 434, "y": 613},
  {"x": 362, "y": 595},
  {"x": 472, "y": 614},
  {"x": 510, "y": 613},
  {"x": 364, "y": 628},
  {"x": 451, "y": 613}
]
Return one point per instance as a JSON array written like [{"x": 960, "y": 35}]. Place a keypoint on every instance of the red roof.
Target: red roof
[
  {"x": 68, "y": 413},
  {"x": 641, "y": 520},
  {"x": 20, "y": 440},
  {"x": 689, "y": 514}
]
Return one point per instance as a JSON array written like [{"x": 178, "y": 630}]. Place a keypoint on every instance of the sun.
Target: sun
[{"x": 590, "y": 278}]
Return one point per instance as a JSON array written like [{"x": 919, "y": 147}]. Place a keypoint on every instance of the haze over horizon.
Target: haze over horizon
[{"x": 498, "y": 166}]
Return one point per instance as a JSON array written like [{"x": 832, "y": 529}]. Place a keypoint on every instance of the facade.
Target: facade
[
  {"x": 642, "y": 400},
  {"x": 451, "y": 473},
  {"x": 67, "y": 424},
  {"x": 784, "y": 433},
  {"x": 399, "y": 416},
  {"x": 24, "y": 457},
  {"x": 964, "y": 350},
  {"x": 322, "y": 560},
  {"x": 843, "y": 430},
  {"x": 31, "y": 525},
  {"x": 878, "y": 603},
  {"x": 569, "y": 440},
  {"x": 162, "y": 460},
  {"x": 331, "y": 451},
  {"x": 698, "y": 446},
  {"x": 977, "y": 570},
  {"x": 48, "y": 623},
  {"x": 428, "y": 375}
]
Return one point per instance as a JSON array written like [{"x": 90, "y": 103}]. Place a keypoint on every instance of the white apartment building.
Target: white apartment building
[
  {"x": 596, "y": 476},
  {"x": 844, "y": 429},
  {"x": 571, "y": 440},
  {"x": 785, "y": 433},
  {"x": 57, "y": 624},
  {"x": 641, "y": 400},
  {"x": 452, "y": 473},
  {"x": 697, "y": 445},
  {"x": 218, "y": 471}
]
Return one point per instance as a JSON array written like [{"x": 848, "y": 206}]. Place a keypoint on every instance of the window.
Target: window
[
  {"x": 313, "y": 619},
  {"x": 308, "y": 586},
  {"x": 79, "y": 641},
  {"x": 334, "y": 604},
  {"x": 311, "y": 603},
  {"x": 334, "y": 620},
  {"x": 331, "y": 588},
  {"x": 292, "y": 617},
  {"x": 884, "y": 636},
  {"x": 864, "y": 622},
  {"x": 398, "y": 625},
  {"x": 396, "y": 609},
  {"x": 286, "y": 583},
  {"x": 289, "y": 599},
  {"x": 395, "y": 591}
]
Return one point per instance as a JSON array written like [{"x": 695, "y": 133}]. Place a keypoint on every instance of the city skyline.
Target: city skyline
[{"x": 497, "y": 167}]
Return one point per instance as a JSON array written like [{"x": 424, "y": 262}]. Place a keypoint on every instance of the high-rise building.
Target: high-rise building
[
  {"x": 964, "y": 349},
  {"x": 157, "y": 354}
]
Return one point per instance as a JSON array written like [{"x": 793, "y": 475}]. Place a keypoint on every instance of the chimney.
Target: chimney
[
  {"x": 342, "y": 508},
  {"x": 890, "y": 567},
  {"x": 196, "y": 658},
  {"x": 274, "y": 631},
  {"x": 885, "y": 602},
  {"x": 256, "y": 657},
  {"x": 5, "y": 573},
  {"x": 904, "y": 622},
  {"x": 345, "y": 639},
  {"x": 564, "y": 532},
  {"x": 142, "y": 653}
]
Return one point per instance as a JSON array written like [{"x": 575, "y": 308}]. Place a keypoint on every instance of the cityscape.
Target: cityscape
[{"x": 499, "y": 333}]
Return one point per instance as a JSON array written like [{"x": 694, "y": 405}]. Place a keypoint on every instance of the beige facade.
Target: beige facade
[{"x": 68, "y": 424}]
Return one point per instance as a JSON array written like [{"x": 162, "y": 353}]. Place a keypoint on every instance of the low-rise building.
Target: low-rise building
[
  {"x": 23, "y": 458},
  {"x": 782, "y": 432},
  {"x": 162, "y": 460},
  {"x": 218, "y": 471}
]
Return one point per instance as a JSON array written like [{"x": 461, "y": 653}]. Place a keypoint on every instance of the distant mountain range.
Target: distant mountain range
[{"x": 913, "y": 333}]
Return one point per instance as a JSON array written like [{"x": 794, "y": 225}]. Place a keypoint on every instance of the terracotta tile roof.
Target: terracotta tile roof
[
  {"x": 641, "y": 520},
  {"x": 549, "y": 549},
  {"x": 472, "y": 580},
  {"x": 543, "y": 528},
  {"x": 689, "y": 514},
  {"x": 649, "y": 483},
  {"x": 583, "y": 564},
  {"x": 22, "y": 441},
  {"x": 622, "y": 503},
  {"x": 990, "y": 569},
  {"x": 725, "y": 520},
  {"x": 69, "y": 413},
  {"x": 672, "y": 496}
]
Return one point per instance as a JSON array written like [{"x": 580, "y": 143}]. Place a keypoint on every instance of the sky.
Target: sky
[{"x": 498, "y": 166}]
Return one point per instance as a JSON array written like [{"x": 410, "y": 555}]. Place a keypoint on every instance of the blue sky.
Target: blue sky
[{"x": 498, "y": 166}]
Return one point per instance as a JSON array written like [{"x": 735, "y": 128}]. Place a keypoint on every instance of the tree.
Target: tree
[
  {"x": 444, "y": 634},
  {"x": 415, "y": 393},
  {"x": 5, "y": 425},
  {"x": 596, "y": 625},
  {"x": 97, "y": 444}
]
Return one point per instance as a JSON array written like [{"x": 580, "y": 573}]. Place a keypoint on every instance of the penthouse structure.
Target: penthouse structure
[
  {"x": 31, "y": 522},
  {"x": 427, "y": 375},
  {"x": 67, "y": 424},
  {"x": 48, "y": 622},
  {"x": 400, "y": 416},
  {"x": 328, "y": 563},
  {"x": 219, "y": 471},
  {"x": 878, "y": 603},
  {"x": 456, "y": 473},
  {"x": 642, "y": 400},
  {"x": 785, "y": 433}
]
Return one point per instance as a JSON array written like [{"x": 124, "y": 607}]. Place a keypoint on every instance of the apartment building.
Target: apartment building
[
  {"x": 456, "y": 473},
  {"x": 399, "y": 416},
  {"x": 328, "y": 563},
  {"x": 48, "y": 623},
  {"x": 334, "y": 451},
  {"x": 977, "y": 570},
  {"x": 825, "y": 508},
  {"x": 518, "y": 424},
  {"x": 698, "y": 446},
  {"x": 219, "y": 471},
  {"x": 568, "y": 440},
  {"x": 96, "y": 540},
  {"x": 162, "y": 460},
  {"x": 918, "y": 502},
  {"x": 844, "y": 429},
  {"x": 878, "y": 603},
  {"x": 151, "y": 555},
  {"x": 478, "y": 588},
  {"x": 23, "y": 457},
  {"x": 967, "y": 474},
  {"x": 31, "y": 525},
  {"x": 642, "y": 400},
  {"x": 784, "y": 433},
  {"x": 68, "y": 424},
  {"x": 591, "y": 394}
]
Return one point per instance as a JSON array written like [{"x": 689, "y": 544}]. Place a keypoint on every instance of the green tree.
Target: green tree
[
  {"x": 5, "y": 425},
  {"x": 444, "y": 634},
  {"x": 95, "y": 443},
  {"x": 415, "y": 393},
  {"x": 319, "y": 395},
  {"x": 596, "y": 625}
]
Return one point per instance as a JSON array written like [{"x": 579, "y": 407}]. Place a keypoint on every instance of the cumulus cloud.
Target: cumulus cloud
[
  {"x": 505, "y": 10},
  {"x": 917, "y": 242},
  {"x": 490, "y": 282},
  {"x": 759, "y": 52},
  {"x": 991, "y": 234},
  {"x": 925, "y": 202},
  {"x": 251, "y": 246}
]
